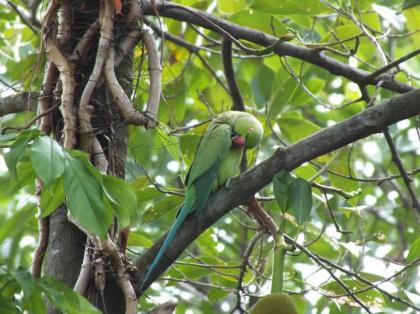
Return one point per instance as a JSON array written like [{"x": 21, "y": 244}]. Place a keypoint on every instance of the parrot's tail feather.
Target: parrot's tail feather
[{"x": 174, "y": 229}]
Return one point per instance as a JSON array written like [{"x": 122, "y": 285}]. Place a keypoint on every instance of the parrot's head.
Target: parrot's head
[{"x": 247, "y": 131}]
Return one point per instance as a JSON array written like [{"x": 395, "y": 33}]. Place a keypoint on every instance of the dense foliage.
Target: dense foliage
[{"x": 350, "y": 206}]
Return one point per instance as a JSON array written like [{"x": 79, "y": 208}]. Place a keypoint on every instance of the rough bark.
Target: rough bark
[{"x": 66, "y": 248}]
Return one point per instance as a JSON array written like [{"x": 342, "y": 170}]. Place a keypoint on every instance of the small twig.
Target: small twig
[
  {"x": 31, "y": 122},
  {"x": 379, "y": 181},
  {"x": 187, "y": 128},
  {"x": 327, "y": 264},
  {"x": 212, "y": 71},
  {"x": 242, "y": 271},
  {"x": 25, "y": 19},
  {"x": 335, "y": 190},
  {"x": 158, "y": 186},
  {"x": 373, "y": 286},
  {"x": 329, "y": 210},
  {"x": 406, "y": 179},
  {"x": 195, "y": 282},
  {"x": 391, "y": 65},
  {"x": 263, "y": 217},
  {"x": 371, "y": 38},
  {"x": 235, "y": 94}
]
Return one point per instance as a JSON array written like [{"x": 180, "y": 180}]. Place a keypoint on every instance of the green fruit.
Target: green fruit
[{"x": 276, "y": 303}]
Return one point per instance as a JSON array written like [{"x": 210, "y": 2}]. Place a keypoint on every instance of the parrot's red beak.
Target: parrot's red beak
[{"x": 238, "y": 140}]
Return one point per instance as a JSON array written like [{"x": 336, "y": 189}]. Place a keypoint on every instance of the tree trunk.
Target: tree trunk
[{"x": 67, "y": 242}]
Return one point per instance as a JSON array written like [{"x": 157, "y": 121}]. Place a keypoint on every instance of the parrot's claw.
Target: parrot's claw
[{"x": 227, "y": 184}]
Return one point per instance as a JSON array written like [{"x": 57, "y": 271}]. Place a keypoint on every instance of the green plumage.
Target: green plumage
[{"x": 217, "y": 159}]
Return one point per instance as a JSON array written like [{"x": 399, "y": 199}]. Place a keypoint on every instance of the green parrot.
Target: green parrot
[{"x": 217, "y": 159}]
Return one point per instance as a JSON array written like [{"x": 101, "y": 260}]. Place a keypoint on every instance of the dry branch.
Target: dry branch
[
  {"x": 67, "y": 96},
  {"x": 155, "y": 73},
  {"x": 131, "y": 114}
]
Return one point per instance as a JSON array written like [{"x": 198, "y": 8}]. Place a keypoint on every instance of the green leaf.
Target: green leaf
[
  {"x": 413, "y": 23},
  {"x": 25, "y": 280},
  {"x": 294, "y": 129},
  {"x": 300, "y": 200},
  {"x": 189, "y": 143},
  {"x": 17, "y": 151},
  {"x": 232, "y": 6},
  {"x": 171, "y": 143},
  {"x": 161, "y": 207},
  {"x": 136, "y": 239},
  {"x": 51, "y": 197},
  {"x": 84, "y": 197},
  {"x": 371, "y": 298},
  {"x": 216, "y": 294},
  {"x": 258, "y": 20},
  {"x": 414, "y": 251},
  {"x": 8, "y": 305},
  {"x": 281, "y": 185},
  {"x": 7, "y": 138},
  {"x": 262, "y": 84},
  {"x": 290, "y": 7},
  {"x": 25, "y": 175},
  {"x": 281, "y": 98},
  {"x": 16, "y": 223},
  {"x": 35, "y": 304},
  {"x": 65, "y": 299},
  {"x": 410, "y": 4},
  {"x": 121, "y": 194},
  {"x": 47, "y": 159}
]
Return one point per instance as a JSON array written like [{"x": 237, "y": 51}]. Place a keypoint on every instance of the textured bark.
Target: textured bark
[
  {"x": 63, "y": 258},
  {"x": 66, "y": 248}
]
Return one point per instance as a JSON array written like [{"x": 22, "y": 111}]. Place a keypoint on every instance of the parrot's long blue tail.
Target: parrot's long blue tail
[{"x": 183, "y": 213}]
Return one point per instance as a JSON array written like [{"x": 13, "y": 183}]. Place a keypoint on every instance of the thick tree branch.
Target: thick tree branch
[
  {"x": 18, "y": 103},
  {"x": 201, "y": 18},
  {"x": 242, "y": 188}
]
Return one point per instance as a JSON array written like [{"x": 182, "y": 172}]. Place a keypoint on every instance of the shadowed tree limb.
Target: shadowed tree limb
[
  {"x": 235, "y": 94},
  {"x": 241, "y": 189},
  {"x": 18, "y": 103}
]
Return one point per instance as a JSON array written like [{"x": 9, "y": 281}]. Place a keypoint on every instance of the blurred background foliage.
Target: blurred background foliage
[{"x": 292, "y": 99}]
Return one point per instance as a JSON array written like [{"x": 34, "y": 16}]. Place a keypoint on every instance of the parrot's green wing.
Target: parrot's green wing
[{"x": 213, "y": 147}]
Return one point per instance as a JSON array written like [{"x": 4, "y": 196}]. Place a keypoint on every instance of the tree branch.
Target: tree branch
[
  {"x": 242, "y": 188},
  {"x": 203, "y": 19},
  {"x": 235, "y": 94},
  {"x": 18, "y": 103}
]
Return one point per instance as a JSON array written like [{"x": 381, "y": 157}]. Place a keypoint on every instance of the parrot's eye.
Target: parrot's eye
[{"x": 233, "y": 134}]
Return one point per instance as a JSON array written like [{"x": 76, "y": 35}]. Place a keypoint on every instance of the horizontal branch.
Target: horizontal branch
[
  {"x": 18, "y": 103},
  {"x": 242, "y": 188},
  {"x": 313, "y": 56}
]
